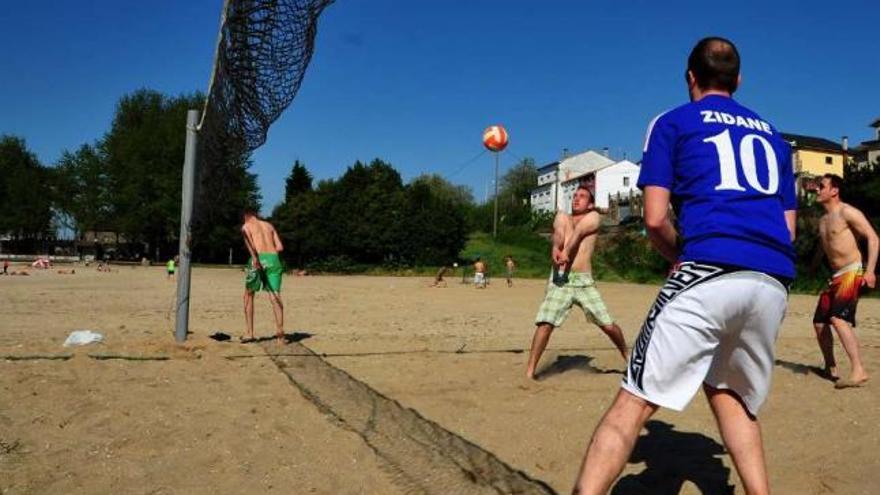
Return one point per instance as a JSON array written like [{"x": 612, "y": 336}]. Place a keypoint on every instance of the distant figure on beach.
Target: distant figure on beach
[
  {"x": 839, "y": 229},
  {"x": 510, "y": 267},
  {"x": 438, "y": 279},
  {"x": 170, "y": 268},
  {"x": 263, "y": 272},
  {"x": 5, "y": 267},
  {"x": 727, "y": 174},
  {"x": 479, "y": 274},
  {"x": 42, "y": 264},
  {"x": 571, "y": 281}
]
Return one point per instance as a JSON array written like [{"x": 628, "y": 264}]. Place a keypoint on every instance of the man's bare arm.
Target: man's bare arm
[
  {"x": 249, "y": 244},
  {"x": 861, "y": 226},
  {"x": 587, "y": 226},
  {"x": 660, "y": 230},
  {"x": 791, "y": 222},
  {"x": 277, "y": 240},
  {"x": 560, "y": 227}
]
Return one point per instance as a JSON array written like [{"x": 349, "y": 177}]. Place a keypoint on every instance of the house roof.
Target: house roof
[
  {"x": 586, "y": 162},
  {"x": 594, "y": 170},
  {"x": 876, "y": 122},
  {"x": 548, "y": 167},
  {"x": 799, "y": 141}
]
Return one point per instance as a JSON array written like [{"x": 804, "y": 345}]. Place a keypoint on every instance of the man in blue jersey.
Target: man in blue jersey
[{"x": 727, "y": 174}]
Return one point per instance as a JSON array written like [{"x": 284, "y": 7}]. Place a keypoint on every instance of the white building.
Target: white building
[{"x": 557, "y": 181}]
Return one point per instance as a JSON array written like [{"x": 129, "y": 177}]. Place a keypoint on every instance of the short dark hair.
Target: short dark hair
[
  {"x": 585, "y": 187},
  {"x": 835, "y": 180},
  {"x": 714, "y": 62}
]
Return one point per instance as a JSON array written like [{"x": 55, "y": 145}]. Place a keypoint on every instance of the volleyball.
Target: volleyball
[{"x": 495, "y": 138}]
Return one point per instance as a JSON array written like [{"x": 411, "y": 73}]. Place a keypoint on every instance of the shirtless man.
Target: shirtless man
[
  {"x": 479, "y": 274},
  {"x": 838, "y": 229},
  {"x": 511, "y": 267},
  {"x": 263, "y": 272},
  {"x": 574, "y": 238}
]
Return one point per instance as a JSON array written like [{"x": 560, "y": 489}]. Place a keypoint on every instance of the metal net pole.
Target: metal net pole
[
  {"x": 495, "y": 218},
  {"x": 181, "y": 326}
]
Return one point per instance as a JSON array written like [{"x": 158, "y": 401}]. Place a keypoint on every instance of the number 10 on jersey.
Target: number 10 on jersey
[{"x": 727, "y": 161}]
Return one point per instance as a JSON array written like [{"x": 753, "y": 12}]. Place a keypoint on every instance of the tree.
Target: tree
[
  {"x": 25, "y": 195},
  {"x": 516, "y": 190},
  {"x": 291, "y": 217},
  {"x": 435, "y": 226},
  {"x": 299, "y": 181},
  {"x": 144, "y": 153},
  {"x": 445, "y": 190},
  {"x": 368, "y": 216},
  {"x": 82, "y": 189}
]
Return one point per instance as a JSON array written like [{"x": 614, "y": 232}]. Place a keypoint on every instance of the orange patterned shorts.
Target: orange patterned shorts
[{"x": 840, "y": 298}]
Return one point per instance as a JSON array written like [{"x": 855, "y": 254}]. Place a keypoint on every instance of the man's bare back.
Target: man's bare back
[{"x": 262, "y": 235}]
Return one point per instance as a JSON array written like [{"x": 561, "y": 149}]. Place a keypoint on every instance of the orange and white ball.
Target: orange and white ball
[{"x": 495, "y": 138}]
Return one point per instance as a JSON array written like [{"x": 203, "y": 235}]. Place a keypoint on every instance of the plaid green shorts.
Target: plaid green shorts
[{"x": 563, "y": 293}]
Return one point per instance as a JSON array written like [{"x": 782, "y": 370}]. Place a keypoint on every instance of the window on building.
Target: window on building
[
  {"x": 828, "y": 160},
  {"x": 626, "y": 182}
]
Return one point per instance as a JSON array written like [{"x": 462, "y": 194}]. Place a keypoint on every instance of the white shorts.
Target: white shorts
[
  {"x": 479, "y": 279},
  {"x": 709, "y": 325}
]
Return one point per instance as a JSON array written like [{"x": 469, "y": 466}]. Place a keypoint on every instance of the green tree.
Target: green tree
[
  {"x": 435, "y": 226},
  {"x": 144, "y": 150},
  {"x": 514, "y": 194},
  {"x": 25, "y": 195},
  {"x": 298, "y": 182},
  {"x": 291, "y": 218},
  {"x": 82, "y": 189},
  {"x": 444, "y": 190},
  {"x": 144, "y": 153}
]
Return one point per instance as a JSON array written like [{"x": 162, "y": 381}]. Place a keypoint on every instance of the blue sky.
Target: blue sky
[{"x": 416, "y": 82}]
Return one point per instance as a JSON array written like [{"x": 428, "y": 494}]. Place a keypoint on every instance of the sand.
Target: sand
[{"x": 222, "y": 417}]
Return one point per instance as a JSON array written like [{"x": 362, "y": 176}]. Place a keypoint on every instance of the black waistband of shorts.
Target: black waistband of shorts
[{"x": 785, "y": 281}]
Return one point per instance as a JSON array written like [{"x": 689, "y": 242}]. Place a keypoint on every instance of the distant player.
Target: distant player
[
  {"x": 510, "y": 267},
  {"x": 574, "y": 239},
  {"x": 838, "y": 230},
  {"x": 479, "y": 274},
  {"x": 170, "y": 268},
  {"x": 728, "y": 174},
  {"x": 263, "y": 272}
]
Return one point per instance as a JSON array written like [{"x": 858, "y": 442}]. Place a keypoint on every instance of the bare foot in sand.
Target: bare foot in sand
[
  {"x": 280, "y": 338},
  {"x": 830, "y": 372},
  {"x": 852, "y": 382}
]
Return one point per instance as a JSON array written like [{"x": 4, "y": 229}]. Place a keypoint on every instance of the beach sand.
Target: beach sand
[{"x": 403, "y": 377}]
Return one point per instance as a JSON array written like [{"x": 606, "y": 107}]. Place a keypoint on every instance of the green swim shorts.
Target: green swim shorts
[
  {"x": 563, "y": 293},
  {"x": 267, "y": 279}
]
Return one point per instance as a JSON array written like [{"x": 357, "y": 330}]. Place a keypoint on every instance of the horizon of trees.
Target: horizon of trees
[{"x": 128, "y": 182}]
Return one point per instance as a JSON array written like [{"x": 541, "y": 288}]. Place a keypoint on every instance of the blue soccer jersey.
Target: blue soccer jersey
[{"x": 731, "y": 180}]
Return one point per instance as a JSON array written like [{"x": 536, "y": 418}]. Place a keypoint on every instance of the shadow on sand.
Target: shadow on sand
[
  {"x": 566, "y": 363},
  {"x": 288, "y": 338},
  {"x": 804, "y": 369},
  {"x": 672, "y": 458}
]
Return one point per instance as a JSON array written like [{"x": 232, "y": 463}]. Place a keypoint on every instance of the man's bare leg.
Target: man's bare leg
[
  {"x": 741, "y": 434},
  {"x": 539, "y": 343},
  {"x": 278, "y": 309},
  {"x": 826, "y": 345},
  {"x": 616, "y": 335},
  {"x": 612, "y": 443},
  {"x": 850, "y": 344},
  {"x": 249, "y": 314}
]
